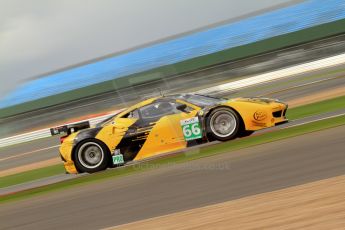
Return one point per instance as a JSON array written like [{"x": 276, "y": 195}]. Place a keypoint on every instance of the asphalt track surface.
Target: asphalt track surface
[
  {"x": 44, "y": 149},
  {"x": 202, "y": 182},
  {"x": 180, "y": 187},
  {"x": 64, "y": 177}
]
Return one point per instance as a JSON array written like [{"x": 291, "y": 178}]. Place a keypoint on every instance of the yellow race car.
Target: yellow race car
[{"x": 161, "y": 125}]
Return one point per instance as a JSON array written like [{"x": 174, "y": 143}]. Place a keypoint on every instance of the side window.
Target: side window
[
  {"x": 132, "y": 114},
  {"x": 157, "y": 110}
]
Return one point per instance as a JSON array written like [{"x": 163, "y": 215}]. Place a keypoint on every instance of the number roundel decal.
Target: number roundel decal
[{"x": 191, "y": 129}]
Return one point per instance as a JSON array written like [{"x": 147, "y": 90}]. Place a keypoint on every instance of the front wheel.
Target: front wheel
[
  {"x": 223, "y": 124},
  {"x": 92, "y": 156}
]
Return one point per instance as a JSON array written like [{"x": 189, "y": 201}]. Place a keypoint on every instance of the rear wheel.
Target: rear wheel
[
  {"x": 223, "y": 124},
  {"x": 92, "y": 156}
]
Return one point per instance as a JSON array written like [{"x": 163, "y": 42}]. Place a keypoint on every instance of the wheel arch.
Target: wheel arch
[{"x": 242, "y": 124}]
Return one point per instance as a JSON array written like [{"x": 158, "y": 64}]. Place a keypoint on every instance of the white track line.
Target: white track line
[
  {"x": 27, "y": 153},
  {"x": 320, "y": 119},
  {"x": 43, "y": 133}
]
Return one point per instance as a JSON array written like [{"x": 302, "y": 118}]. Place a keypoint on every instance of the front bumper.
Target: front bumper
[{"x": 282, "y": 122}]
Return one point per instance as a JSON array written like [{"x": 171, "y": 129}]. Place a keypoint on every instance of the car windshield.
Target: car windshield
[
  {"x": 106, "y": 121},
  {"x": 200, "y": 100}
]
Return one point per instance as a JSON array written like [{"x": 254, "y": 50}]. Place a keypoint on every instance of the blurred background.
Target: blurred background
[
  {"x": 61, "y": 60},
  {"x": 73, "y": 60}
]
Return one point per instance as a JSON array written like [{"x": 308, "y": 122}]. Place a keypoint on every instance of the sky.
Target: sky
[{"x": 40, "y": 36}]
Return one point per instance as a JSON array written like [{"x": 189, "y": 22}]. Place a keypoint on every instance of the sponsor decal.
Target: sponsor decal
[
  {"x": 259, "y": 124},
  {"x": 117, "y": 157},
  {"x": 260, "y": 115}
]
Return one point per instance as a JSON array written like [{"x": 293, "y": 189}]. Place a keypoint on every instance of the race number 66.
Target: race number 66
[{"x": 191, "y": 129}]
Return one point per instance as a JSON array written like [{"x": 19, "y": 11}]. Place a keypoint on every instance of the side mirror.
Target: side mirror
[{"x": 181, "y": 107}]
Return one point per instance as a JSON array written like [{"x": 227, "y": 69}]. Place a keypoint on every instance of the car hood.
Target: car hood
[{"x": 257, "y": 100}]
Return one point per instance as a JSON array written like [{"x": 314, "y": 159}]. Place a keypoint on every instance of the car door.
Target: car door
[
  {"x": 117, "y": 134},
  {"x": 163, "y": 119}
]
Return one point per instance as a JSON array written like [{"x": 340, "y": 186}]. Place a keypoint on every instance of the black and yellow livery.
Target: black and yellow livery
[{"x": 161, "y": 125}]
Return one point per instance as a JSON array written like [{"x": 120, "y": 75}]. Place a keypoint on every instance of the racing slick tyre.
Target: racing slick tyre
[
  {"x": 223, "y": 124},
  {"x": 92, "y": 156}
]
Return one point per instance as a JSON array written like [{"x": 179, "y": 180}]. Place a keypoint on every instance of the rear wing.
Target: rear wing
[{"x": 69, "y": 129}]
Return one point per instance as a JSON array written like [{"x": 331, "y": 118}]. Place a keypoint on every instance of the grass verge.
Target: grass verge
[
  {"x": 294, "y": 113},
  {"x": 189, "y": 155},
  {"x": 316, "y": 108},
  {"x": 31, "y": 175}
]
